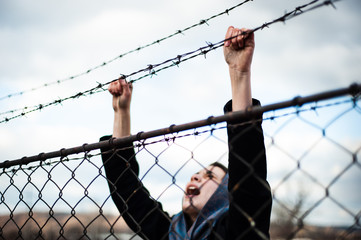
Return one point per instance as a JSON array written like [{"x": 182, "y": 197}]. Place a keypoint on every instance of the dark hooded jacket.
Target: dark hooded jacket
[{"x": 239, "y": 209}]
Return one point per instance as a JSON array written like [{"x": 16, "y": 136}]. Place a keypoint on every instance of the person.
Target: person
[{"x": 218, "y": 202}]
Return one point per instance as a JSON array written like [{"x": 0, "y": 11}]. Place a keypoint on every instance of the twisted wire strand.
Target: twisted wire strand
[
  {"x": 70, "y": 173},
  {"x": 296, "y": 112},
  {"x": 122, "y": 55},
  {"x": 172, "y": 62},
  {"x": 248, "y": 115}
]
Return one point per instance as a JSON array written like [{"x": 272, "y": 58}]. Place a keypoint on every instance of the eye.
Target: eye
[{"x": 210, "y": 174}]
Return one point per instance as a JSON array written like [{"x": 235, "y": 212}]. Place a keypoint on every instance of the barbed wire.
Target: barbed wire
[
  {"x": 249, "y": 115},
  {"x": 122, "y": 55},
  {"x": 54, "y": 196},
  {"x": 152, "y": 70},
  {"x": 297, "y": 111}
]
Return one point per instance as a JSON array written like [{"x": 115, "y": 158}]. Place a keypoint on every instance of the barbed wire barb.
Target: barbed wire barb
[
  {"x": 122, "y": 55},
  {"x": 181, "y": 58}
]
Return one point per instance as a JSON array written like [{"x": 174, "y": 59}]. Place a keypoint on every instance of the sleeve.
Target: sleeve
[
  {"x": 143, "y": 214},
  {"x": 250, "y": 194}
]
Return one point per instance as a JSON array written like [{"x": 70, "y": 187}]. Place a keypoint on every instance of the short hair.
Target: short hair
[{"x": 220, "y": 165}]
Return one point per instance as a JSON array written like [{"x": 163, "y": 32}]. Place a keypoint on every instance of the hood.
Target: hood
[{"x": 216, "y": 206}]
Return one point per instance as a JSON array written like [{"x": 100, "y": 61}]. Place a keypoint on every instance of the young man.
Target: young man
[{"x": 218, "y": 203}]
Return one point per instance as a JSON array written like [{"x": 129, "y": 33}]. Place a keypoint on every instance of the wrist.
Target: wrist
[
  {"x": 239, "y": 77},
  {"x": 122, "y": 111},
  {"x": 242, "y": 70}
]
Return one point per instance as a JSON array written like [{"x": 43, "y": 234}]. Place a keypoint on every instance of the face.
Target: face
[{"x": 200, "y": 188}]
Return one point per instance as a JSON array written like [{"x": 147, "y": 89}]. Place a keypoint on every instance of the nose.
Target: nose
[{"x": 196, "y": 177}]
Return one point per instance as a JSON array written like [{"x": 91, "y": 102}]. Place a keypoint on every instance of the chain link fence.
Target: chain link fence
[{"x": 313, "y": 163}]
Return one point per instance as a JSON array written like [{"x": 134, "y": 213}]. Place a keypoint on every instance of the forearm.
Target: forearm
[
  {"x": 121, "y": 125},
  {"x": 142, "y": 213},
  {"x": 241, "y": 89}
]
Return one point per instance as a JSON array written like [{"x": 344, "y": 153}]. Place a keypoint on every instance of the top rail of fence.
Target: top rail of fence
[{"x": 249, "y": 114}]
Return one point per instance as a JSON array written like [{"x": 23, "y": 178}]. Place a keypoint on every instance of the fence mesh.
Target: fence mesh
[{"x": 313, "y": 163}]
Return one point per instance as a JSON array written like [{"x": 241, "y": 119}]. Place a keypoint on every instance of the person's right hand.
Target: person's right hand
[{"x": 122, "y": 94}]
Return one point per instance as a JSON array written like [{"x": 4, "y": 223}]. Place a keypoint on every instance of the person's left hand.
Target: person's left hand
[
  {"x": 122, "y": 94},
  {"x": 238, "y": 51}
]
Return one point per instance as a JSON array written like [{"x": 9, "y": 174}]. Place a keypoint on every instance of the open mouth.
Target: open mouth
[{"x": 193, "y": 191}]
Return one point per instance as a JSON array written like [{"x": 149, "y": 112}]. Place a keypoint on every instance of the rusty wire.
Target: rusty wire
[
  {"x": 49, "y": 162},
  {"x": 122, "y": 55},
  {"x": 251, "y": 113},
  {"x": 64, "y": 217},
  {"x": 153, "y": 69}
]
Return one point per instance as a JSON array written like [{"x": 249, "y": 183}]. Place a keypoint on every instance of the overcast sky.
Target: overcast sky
[{"x": 45, "y": 41}]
